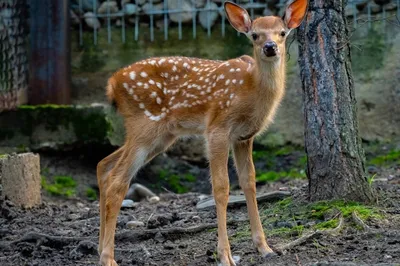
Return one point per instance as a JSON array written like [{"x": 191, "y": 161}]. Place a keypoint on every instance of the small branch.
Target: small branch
[
  {"x": 136, "y": 235},
  {"x": 301, "y": 240},
  {"x": 359, "y": 221},
  {"x": 47, "y": 240},
  {"x": 298, "y": 261}
]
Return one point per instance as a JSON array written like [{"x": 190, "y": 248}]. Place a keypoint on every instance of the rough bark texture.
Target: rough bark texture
[
  {"x": 335, "y": 156},
  {"x": 20, "y": 179}
]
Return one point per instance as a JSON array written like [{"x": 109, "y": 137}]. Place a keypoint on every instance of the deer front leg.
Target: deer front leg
[
  {"x": 245, "y": 168},
  {"x": 218, "y": 147}
]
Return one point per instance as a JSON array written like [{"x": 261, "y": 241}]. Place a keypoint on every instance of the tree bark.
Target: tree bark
[{"x": 335, "y": 165}]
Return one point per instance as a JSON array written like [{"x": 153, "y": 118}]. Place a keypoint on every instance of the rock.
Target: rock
[
  {"x": 106, "y": 7},
  {"x": 350, "y": 11},
  {"x": 169, "y": 245},
  {"x": 391, "y": 6},
  {"x": 199, "y": 3},
  {"x": 87, "y": 5},
  {"x": 154, "y": 199},
  {"x": 91, "y": 20},
  {"x": 128, "y": 204},
  {"x": 210, "y": 17},
  {"x": 130, "y": 9},
  {"x": 284, "y": 224},
  {"x": 387, "y": 257},
  {"x": 268, "y": 12},
  {"x": 20, "y": 180},
  {"x": 372, "y": 169},
  {"x": 137, "y": 192},
  {"x": 134, "y": 224},
  {"x": 148, "y": 8},
  {"x": 375, "y": 8},
  {"x": 73, "y": 216},
  {"x": 186, "y": 15},
  {"x": 283, "y": 189},
  {"x": 361, "y": 5},
  {"x": 196, "y": 218}
]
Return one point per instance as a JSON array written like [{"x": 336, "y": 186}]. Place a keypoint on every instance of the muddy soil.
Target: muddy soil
[{"x": 65, "y": 232}]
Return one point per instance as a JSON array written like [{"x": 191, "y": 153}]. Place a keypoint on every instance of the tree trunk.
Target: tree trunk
[{"x": 335, "y": 166}]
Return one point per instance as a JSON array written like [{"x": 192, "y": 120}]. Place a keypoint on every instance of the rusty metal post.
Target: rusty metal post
[{"x": 49, "y": 76}]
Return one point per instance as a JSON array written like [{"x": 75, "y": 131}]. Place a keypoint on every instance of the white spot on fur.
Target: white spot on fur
[
  {"x": 141, "y": 105},
  {"x": 151, "y": 81},
  {"x": 227, "y": 82},
  {"x": 143, "y": 74},
  {"x": 158, "y": 100},
  {"x": 132, "y": 75}
]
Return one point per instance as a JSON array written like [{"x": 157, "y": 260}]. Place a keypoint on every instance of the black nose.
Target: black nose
[{"x": 270, "y": 48}]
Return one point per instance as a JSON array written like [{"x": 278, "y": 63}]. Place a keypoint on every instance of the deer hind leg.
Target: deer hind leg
[
  {"x": 103, "y": 170},
  {"x": 136, "y": 152},
  {"x": 218, "y": 148},
  {"x": 245, "y": 168}
]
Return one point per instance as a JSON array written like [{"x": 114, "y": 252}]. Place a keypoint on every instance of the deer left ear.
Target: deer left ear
[{"x": 295, "y": 13}]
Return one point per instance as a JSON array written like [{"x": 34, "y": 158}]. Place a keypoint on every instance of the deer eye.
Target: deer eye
[
  {"x": 283, "y": 33},
  {"x": 254, "y": 36}
]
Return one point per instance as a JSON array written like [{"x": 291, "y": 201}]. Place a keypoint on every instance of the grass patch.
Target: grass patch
[
  {"x": 392, "y": 157},
  {"x": 91, "y": 194},
  {"x": 63, "y": 186},
  {"x": 177, "y": 182},
  {"x": 271, "y": 176}
]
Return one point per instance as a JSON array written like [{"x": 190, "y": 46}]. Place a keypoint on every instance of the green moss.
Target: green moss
[
  {"x": 177, "y": 182},
  {"x": 346, "y": 208},
  {"x": 392, "y": 157},
  {"x": 63, "y": 186},
  {"x": 31, "y": 125},
  {"x": 2, "y": 156},
  {"x": 91, "y": 194},
  {"x": 272, "y": 176},
  {"x": 327, "y": 224}
]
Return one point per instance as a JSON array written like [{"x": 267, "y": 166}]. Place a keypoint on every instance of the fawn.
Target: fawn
[{"x": 229, "y": 102}]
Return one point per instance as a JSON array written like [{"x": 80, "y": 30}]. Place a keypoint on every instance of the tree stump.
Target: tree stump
[{"x": 20, "y": 179}]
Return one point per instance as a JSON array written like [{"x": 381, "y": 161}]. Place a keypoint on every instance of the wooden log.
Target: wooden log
[{"x": 20, "y": 179}]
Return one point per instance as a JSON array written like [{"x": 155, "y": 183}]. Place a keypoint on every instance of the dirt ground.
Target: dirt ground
[{"x": 64, "y": 232}]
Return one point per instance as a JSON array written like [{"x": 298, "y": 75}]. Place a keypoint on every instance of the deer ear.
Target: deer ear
[
  {"x": 295, "y": 13},
  {"x": 238, "y": 17}
]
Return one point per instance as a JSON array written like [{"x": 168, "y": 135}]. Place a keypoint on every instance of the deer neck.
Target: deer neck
[{"x": 269, "y": 77}]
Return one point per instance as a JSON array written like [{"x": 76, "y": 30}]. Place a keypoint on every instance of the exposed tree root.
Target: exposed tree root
[
  {"x": 136, "y": 235},
  {"x": 360, "y": 222},
  {"x": 301, "y": 240},
  {"x": 47, "y": 240}
]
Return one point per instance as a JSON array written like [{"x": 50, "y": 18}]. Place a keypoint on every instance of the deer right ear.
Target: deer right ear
[{"x": 238, "y": 17}]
